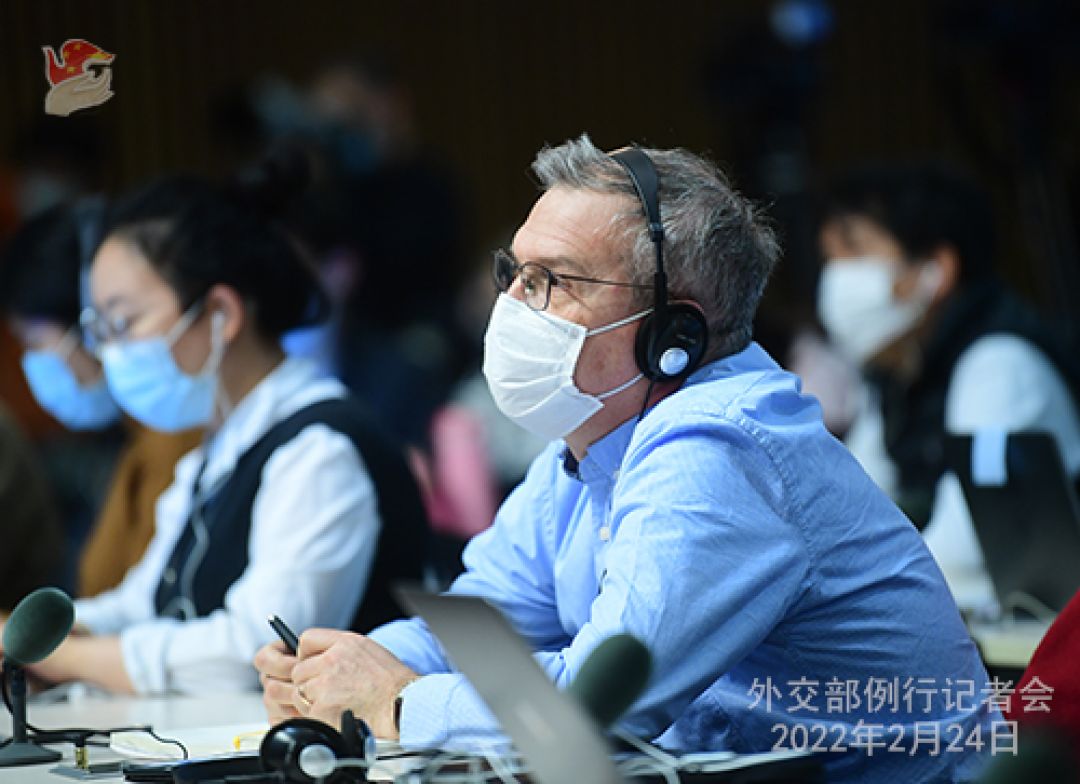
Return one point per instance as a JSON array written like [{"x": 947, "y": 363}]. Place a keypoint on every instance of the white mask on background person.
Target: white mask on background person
[
  {"x": 858, "y": 308},
  {"x": 529, "y": 361},
  {"x": 148, "y": 384}
]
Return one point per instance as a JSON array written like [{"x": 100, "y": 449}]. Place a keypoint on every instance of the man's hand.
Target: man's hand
[
  {"x": 3, "y": 623},
  {"x": 341, "y": 671},
  {"x": 275, "y": 665}
]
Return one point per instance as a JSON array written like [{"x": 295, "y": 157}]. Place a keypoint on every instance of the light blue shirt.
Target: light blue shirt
[{"x": 763, "y": 569}]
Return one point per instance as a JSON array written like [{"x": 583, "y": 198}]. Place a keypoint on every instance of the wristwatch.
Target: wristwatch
[{"x": 399, "y": 701}]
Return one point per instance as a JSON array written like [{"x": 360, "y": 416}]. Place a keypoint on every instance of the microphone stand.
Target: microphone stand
[{"x": 20, "y": 750}]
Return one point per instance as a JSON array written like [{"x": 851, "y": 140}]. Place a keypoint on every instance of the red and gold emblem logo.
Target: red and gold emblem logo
[{"x": 80, "y": 77}]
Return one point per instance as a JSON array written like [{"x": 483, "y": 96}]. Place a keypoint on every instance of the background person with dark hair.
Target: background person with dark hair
[
  {"x": 400, "y": 352},
  {"x": 908, "y": 292},
  {"x": 31, "y": 555},
  {"x": 293, "y": 505},
  {"x": 40, "y": 285},
  {"x": 385, "y": 220}
]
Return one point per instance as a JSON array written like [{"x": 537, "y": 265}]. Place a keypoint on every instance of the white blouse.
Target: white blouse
[{"x": 314, "y": 530}]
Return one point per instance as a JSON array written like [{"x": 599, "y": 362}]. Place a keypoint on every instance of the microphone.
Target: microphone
[
  {"x": 611, "y": 678},
  {"x": 36, "y": 627}
]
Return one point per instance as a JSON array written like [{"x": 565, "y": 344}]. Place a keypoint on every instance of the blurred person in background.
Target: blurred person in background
[
  {"x": 53, "y": 162},
  {"x": 322, "y": 219},
  {"x": 908, "y": 292},
  {"x": 400, "y": 350},
  {"x": 385, "y": 220},
  {"x": 50, "y": 163},
  {"x": 294, "y": 504},
  {"x": 31, "y": 542},
  {"x": 448, "y": 458},
  {"x": 41, "y": 284},
  {"x": 1048, "y": 738}
]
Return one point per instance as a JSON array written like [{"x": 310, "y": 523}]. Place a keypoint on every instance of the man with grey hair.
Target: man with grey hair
[{"x": 693, "y": 500}]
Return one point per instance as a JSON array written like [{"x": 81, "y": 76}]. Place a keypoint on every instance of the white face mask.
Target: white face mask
[
  {"x": 529, "y": 361},
  {"x": 857, "y": 307}
]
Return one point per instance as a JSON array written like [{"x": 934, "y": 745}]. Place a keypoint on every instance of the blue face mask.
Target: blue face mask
[
  {"x": 59, "y": 392},
  {"x": 148, "y": 384}
]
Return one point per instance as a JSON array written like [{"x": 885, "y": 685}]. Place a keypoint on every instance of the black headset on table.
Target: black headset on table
[
  {"x": 306, "y": 751},
  {"x": 671, "y": 341}
]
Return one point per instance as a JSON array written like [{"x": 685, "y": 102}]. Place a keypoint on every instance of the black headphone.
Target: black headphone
[
  {"x": 671, "y": 341},
  {"x": 305, "y": 751}
]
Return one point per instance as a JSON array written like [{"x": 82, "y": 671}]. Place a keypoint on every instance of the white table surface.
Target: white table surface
[
  {"x": 178, "y": 713},
  {"x": 99, "y": 711},
  {"x": 1008, "y": 643}
]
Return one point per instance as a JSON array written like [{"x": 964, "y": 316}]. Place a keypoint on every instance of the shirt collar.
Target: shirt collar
[
  {"x": 605, "y": 456},
  {"x": 601, "y": 463},
  {"x": 751, "y": 359}
]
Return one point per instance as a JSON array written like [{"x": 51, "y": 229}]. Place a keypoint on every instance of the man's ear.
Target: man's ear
[
  {"x": 224, "y": 300},
  {"x": 948, "y": 275}
]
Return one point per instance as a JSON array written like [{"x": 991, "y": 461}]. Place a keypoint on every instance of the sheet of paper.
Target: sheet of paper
[
  {"x": 207, "y": 742},
  {"x": 200, "y": 741}
]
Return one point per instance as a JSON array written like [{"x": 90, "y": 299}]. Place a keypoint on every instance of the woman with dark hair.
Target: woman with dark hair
[
  {"x": 42, "y": 293},
  {"x": 293, "y": 505}
]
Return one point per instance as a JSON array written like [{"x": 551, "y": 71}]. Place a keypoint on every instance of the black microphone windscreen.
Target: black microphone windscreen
[
  {"x": 38, "y": 624},
  {"x": 612, "y": 677}
]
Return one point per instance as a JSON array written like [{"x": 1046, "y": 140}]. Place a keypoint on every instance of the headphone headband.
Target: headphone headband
[
  {"x": 646, "y": 182},
  {"x": 671, "y": 341}
]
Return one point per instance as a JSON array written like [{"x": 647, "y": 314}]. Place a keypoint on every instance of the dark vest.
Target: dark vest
[
  {"x": 914, "y": 414},
  {"x": 226, "y": 515}
]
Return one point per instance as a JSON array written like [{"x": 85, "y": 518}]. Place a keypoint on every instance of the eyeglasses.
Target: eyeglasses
[
  {"x": 537, "y": 280},
  {"x": 99, "y": 329}
]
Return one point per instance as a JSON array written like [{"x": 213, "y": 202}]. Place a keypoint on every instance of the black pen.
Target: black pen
[{"x": 285, "y": 633}]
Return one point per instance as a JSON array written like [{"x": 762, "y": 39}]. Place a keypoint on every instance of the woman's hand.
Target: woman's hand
[{"x": 88, "y": 658}]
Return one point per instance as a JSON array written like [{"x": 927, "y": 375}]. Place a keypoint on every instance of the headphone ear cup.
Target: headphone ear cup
[
  {"x": 674, "y": 361},
  {"x": 672, "y": 343},
  {"x": 280, "y": 748},
  {"x": 643, "y": 348}
]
